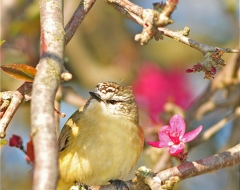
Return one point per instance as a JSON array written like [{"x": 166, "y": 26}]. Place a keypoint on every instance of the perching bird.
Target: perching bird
[{"x": 102, "y": 141}]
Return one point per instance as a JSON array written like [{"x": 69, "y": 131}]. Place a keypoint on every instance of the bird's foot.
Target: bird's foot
[
  {"x": 121, "y": 185},
  {"x": 80, "y": 186}
]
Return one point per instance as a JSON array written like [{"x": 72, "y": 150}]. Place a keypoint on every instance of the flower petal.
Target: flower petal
[
  {"x": 154, "y": 144},
  {"x": 192, "y": 134},
  {"x": 176, "y": 149},
  {"x": 163, "y": 136},
  {"x": 16, "y": 141},
  {"x": 178, "y": 125}
]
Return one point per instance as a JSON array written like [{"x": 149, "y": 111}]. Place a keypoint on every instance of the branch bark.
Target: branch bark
[
  {"x": 77, "y": 18},
  {"x": 14, "y": 99},
  {"x": 166, "y": 179},
  {"x": 137, "y": 15},
  {"x": 202, "y": 166},
  {"x": 44, "y": 89},
  {"x": 153, "y": 23},
  {"x": 227, "y": 78}
]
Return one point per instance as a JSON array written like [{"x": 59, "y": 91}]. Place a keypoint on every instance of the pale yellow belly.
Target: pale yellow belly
[{"x": 101, "y": 156}]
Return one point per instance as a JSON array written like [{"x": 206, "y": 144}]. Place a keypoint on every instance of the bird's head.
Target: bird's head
[{"x": 114, "y": 99}]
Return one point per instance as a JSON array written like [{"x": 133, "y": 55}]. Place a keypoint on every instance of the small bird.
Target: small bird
[{"x": 101, "y": 141}]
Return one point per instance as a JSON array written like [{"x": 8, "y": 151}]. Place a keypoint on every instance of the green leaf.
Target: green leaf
[
  {"x": 20, "y": 71},
  {"x": 1, "y": 42},
  {"x": 3, "y": 142}
]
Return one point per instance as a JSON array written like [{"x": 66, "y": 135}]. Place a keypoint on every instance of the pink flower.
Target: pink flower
[
  {"x": 153, "y": 87},
  {"x": 16, "y": 141},
  {"x": 174, "y": 137}
]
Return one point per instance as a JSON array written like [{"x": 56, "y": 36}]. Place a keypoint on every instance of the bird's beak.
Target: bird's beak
[{"x": 95, "y": 96}]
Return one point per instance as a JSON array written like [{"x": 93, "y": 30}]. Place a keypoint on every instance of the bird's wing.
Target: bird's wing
[
  {"x": 63, "y": 137},
  {"x": 67, "y": 129}
]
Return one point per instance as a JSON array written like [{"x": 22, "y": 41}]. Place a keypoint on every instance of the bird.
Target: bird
[{"x": 102, "y": 141}]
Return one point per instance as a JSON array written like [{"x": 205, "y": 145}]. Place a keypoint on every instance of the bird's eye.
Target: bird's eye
[{"x": 112, "y": 101}]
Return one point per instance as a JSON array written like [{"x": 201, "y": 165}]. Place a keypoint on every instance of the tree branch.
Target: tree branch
[
  {"x": 226, "y": 78},
  {"x": 15, "y": 98},
  {"x": 153, "y": 22},
  {"x": 48, "y": 78},
  {"x": 77, "y": 18},
  {"x": 136, "y": 14},
  {"x": 202, "y": 166},
  {"x": 214, "y": 129},
  {"x": 72, "y": 97},
  {"x": 44, "y": 89},
  {"x": 10, "y": 102},
  {"x": 166, "y": 179},
  {"x": 192, "y": 43}
]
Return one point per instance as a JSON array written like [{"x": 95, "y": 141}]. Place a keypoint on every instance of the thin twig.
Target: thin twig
[
  {"x": 163, "y": 162},
  {"x": 15, "y": 99},
  {"x": 129, "y": 9},
  {"x": 216, "y": 127},
  {"x": 153, "y": 22},
  {"x": 210, "y": 106},
  {"x": 213, "y": 130},
  {"x": 77, "y": 18},
  {"x": 71, "y": 97},
  {"x": 192, "y": 43},
  {"x": 57, "y": 106},
  {"x": 224, "y": 79}
]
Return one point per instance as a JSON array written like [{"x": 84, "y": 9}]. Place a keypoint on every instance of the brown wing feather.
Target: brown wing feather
[
  {"x": 67, "y": 129},
  {"x": 63, "y": 137}
]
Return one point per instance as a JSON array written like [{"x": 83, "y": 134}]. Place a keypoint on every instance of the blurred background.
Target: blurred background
[{"x": 103, "y": 49}]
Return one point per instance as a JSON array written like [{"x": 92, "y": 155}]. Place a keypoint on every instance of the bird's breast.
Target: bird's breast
[{"x": 103, "y": 149}]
